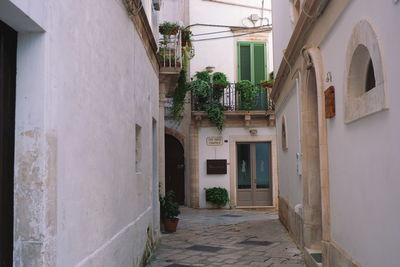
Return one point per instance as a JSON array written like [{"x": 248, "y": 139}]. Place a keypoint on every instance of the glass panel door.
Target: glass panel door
[
  {"x": 243, "y": 166},
  {"x": 263, "y": 173}
]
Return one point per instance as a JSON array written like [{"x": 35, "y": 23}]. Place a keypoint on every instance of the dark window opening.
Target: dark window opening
[{"x": 370, "y": 80}]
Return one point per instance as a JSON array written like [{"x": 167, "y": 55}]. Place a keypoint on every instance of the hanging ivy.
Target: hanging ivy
[
  {"x": 215, "y": 113},
  {"x": 179, "y": 96}
]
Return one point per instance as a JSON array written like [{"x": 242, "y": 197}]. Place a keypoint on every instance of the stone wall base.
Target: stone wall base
[{"x": 332, "y": 254}]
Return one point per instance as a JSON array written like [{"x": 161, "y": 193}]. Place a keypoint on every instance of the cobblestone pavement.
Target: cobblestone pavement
[{"x": 227, "y": 238}]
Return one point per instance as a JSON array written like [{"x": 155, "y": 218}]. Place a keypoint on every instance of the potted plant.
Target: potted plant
[
  {"x": 268, "y": 83},
  {"x": 217, "y": 195},
  {"x": 168, "y": 28},
  {"x": 219, "y": 80},
  {"x": 169, "y": 211},
  {"x": 247, "y": 94},
  {"x": 186, "y": 35}
]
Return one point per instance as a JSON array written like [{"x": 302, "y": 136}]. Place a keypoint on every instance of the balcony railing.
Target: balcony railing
[
  {"x": 170, "y": 51},
  {"x": 232, "y": 101}
]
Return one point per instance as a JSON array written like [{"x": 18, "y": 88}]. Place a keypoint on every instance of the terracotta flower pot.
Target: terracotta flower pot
[{"x": 170, "y": 225}]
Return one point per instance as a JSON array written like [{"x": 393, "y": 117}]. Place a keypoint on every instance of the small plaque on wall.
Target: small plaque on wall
[
  {"x": 216, "y": 166},
  {"x": 330, "y": 111},
  {"x": 214, "y": 141}
]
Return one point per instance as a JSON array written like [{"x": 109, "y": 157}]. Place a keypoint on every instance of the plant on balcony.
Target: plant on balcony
[
  {"x": 247, "y": 94},
  {"x": 168, "y": 28},
  {"x": 179, "y": 96},
  {"x": 220, "y": 82},
  {"x": 201, "y": 92},
  {"x": 268, "y": 83},
  {"x": 215, "y": 112},
  {"x": 186, "y": 37},
  {"x": 204, "y": 76},
  {"x": 217, "y": 195}
]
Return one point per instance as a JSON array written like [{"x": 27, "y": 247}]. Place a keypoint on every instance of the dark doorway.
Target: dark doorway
[
  {"x": 8, "y": 54},
  {"x": 175, "y": 168}
]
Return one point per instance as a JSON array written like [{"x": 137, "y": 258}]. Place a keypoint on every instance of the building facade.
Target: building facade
[
  {"x": 218, "y": 39},
  {"x": 80, "y": 101},
  {"x": 336, "y": 128}
]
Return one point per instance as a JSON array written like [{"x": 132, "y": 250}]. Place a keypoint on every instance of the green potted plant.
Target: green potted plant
[
  {"x": 217, "y": 195},
  {"x": 268, "y": 83},
  {"x": 247, "y": 94},
  {"x": 201, "y": 92},
  {"x": 220, "y": 82},
  {"x": 186, "y": 37},
  {"x": 167, "y": 28},
  {"x": 169, "y": 211}
]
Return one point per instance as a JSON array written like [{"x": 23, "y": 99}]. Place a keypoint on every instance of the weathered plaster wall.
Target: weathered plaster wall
[
  {"x": 220, "y": 152},
  {"x": 363, "y": 155},
  {"x": 222, "y": 53},
  {"x": 289, "y": 180},
  {"x": 81, "y": 88}
]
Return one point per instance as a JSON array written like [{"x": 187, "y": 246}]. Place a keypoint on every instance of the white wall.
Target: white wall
[
  {"x": 363, "y": 155},
  {"x": 290, "y": 183},
  {"x": 219, "y": 152},
  {"x": 282, "y": 29},
  {"x": 90, "y": 83},
  {"x": 222, "y": 53}
]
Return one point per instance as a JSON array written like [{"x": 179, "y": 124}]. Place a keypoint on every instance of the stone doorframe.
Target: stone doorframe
[
  {"x": 313, "y": 58},
  {"x": 232, "y": 159}
]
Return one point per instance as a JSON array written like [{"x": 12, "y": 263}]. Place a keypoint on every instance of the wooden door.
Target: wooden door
[
  {"x": 175, "y": 168},
  {"x": 8, "y": 52},
  {"x": 254, "y": 174}
]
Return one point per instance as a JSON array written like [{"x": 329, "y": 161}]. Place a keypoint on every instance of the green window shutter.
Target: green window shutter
[
  {"x": 244, "y": 62},
  {"x": 259, "y": 63}
]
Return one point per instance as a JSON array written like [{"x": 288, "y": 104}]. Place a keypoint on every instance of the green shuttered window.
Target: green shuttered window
[{"x": 251, "y": 61}]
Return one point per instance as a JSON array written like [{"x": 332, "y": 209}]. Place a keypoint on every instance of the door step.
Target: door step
[{"x": 313, "y": 257}]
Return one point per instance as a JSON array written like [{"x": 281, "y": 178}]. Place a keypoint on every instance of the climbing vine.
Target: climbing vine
[{"x": 179, "y": 96}]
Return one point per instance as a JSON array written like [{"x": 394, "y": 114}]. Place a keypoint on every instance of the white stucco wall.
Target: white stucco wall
[
  {"x": 363, "y": 155},
  {"x": 82, "y": 85},
  {"x": 290, "y": 182},
  {"x": 282, "y": 29},
  {"x": 222, "y": 53},
  {"x": 220, "y": 152}
]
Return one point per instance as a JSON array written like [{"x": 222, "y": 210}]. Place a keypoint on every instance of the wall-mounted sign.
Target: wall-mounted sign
[
  {"x": 216, "y": 166},
  {"x": 330, "y": 111},
  {"x": 214, "y": 141}
]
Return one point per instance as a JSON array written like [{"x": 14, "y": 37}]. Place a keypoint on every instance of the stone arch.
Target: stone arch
[
  {"x": 363, "y": 57},
  {"x": 315, "y": 151},
  {"x": 176, "y": 134}
]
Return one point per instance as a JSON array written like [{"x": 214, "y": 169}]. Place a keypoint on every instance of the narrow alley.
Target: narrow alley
[{"x": 227, "y": 238}]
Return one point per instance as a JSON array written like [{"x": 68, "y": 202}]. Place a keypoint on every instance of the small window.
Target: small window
[
  {"x": 138, "y": 148},
  {"x": 284, "y": 134},
  {"x": 370, "y": 82},
  {"x": 365, "y": 88}
]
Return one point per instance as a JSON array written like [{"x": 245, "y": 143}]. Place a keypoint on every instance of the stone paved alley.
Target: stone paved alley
[{"x": 227, "y": 238}]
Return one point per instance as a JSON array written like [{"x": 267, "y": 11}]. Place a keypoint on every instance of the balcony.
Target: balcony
[
  {"x": 260, "y": 108},
  {"x": 170, "y": 57}
]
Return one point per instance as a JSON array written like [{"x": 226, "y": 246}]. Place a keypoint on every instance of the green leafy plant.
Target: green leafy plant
[
  {"x": 217, "y": 195},
  {"x": 201, "y": 91},
  {"x": 204, "y": 76},
  {"x": 268, "y": 83},
  {"x": 169, "y": 209},
  {"x": 220, "y": 82},
  {"x": 215, "y": 113},
  {"x": 247, "y": 94},
  {"x": 168, "y": 28},
  {"x": 179, "y": 96},
  {"x": 186, "y": 37}
]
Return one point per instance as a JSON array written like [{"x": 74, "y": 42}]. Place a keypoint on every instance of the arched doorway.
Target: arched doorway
[
  {"x": 311, "y": 162},
  {"x": 175, "y": 168}
]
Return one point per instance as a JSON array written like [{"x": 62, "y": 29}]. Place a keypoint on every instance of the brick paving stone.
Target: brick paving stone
[{"x": 212, "y": 228}]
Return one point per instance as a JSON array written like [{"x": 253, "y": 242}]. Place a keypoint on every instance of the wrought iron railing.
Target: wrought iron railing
[
  {"x": 170, "y": 51},
  {"x": 232, "y": 101}
]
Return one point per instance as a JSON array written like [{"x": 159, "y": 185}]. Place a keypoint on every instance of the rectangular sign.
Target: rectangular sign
[
  {"x": 214, "y": 141},
  {"x": 216, "y": 166}
]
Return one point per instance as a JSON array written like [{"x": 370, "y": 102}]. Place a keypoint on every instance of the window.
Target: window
[
  {"x": 364, "y": 90},
  {"x": 284, "y": 134},
  {"x": 251, "y": 61},
  {"x": 138, "y": 148}
]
